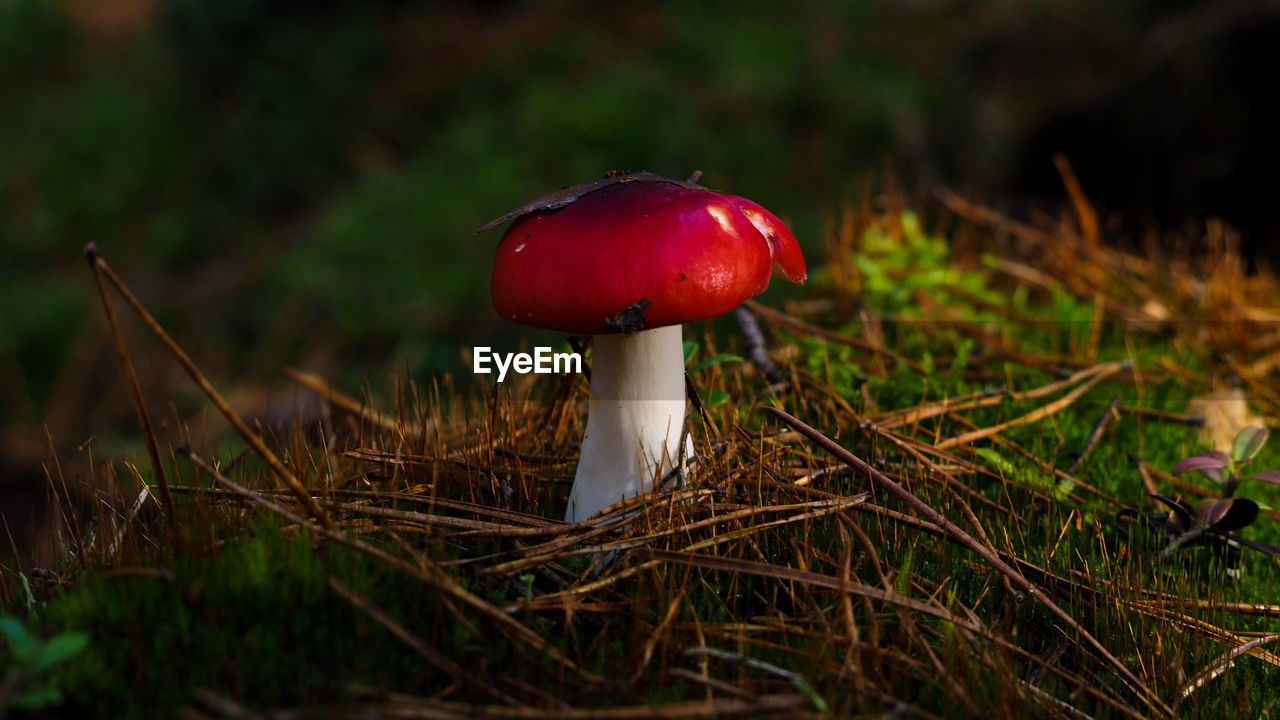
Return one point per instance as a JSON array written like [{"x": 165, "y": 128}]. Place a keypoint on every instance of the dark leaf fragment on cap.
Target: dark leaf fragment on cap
[
  {"x": 629, "y": 319},
  {"x": 567, "y": 195}
]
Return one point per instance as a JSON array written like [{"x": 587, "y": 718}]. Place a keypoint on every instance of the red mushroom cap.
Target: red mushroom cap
[{"x": 636, "y": 253}]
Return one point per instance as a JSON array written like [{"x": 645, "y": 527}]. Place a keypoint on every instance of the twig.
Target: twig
[
  {"x": 753, "y": 340},
  {"x": 691, "y": 392},
  {"x": 797, "y": 680},
  {"x": 134, "y": 509},
  {"x": 1080, "y": 203},
  {"x": 795, "y": 325},
  {"x": 1096, "y": 434},
  {"x": 226, "y": 708},
  {"x": 96, "y": 264},
  {"x": 1161, "y": 416},
  {"x": 1039, "y": 413},
  {"x": 325, "y": 389},
  {"x": 101, "y": 269},
  {"x": 985, "y": 398},
  {"x": 1220, "y": 665},
  {"x": 713, "y": 683}
]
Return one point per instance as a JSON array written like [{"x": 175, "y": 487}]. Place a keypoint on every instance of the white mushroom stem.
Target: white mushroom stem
[{"x": 634, "y": 421}]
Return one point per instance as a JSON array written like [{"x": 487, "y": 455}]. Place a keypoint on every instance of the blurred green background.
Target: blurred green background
[{"x": 295, "y": 182}]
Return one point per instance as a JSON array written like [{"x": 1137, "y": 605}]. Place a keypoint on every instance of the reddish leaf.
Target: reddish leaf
[
  {"x": 1271, "y": 476},
  {"x": 1217, "y": 475},
  {"x": 1227, "y": 514},
  {"x": 1260, "y": 547},
  {"x": 1212, "y": 459},
  {"x": 1212, "y": 511}
]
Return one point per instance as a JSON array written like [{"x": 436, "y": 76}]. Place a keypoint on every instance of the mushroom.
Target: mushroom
[{"x": 628, "y": 259}]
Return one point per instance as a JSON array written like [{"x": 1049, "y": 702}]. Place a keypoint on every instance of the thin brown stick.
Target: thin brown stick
[
  {"x": 1038, "y": 414},
  {"x": 255, "y": 441},
  {"x": 793, "y": 324},
  {"x": 1161, "y": 416},
  {"x": 712, "y": 683},
  {"x": 1080, "y": 202},
  {"x": 655, "y": 635},
  {"x": 1234, "y": 608},
  {"x": 1044, "y": 466},
  {"x": 139, "y": 405},
  {"x": 63, "y": 501},
  {"x": 986, "y": 398},
  {"x": 322, "y": 387},
  {"x": 1219, "y": 666},
  {"x": 1096, "y": 435}
]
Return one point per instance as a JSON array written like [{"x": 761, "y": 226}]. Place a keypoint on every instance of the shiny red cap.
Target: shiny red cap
[{"x": 636, "y": 252}]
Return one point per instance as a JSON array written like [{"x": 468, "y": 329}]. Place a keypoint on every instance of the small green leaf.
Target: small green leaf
[
  {"x": 803, "y": 686},
  {"x": 714, "y": 397},
  {"x": 13, "y": 630},
  {"x": 964, "y": 350},
  {"x": 58, "y": 650},
  {"x": 1249, "y": 442},
  {"x": 716, "y": 360},
  {"x": 1063, "y": 489},
  {"x": 36, "y": 699},
  {"x": 690, "y": 349},
  {"x": 1011, "y": 471},
  {"x": 21, "y": 644},
  {"x": 997, "y": 460}
]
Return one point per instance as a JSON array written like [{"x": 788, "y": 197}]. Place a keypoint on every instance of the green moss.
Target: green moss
[{"x": 255, "y": 620}]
